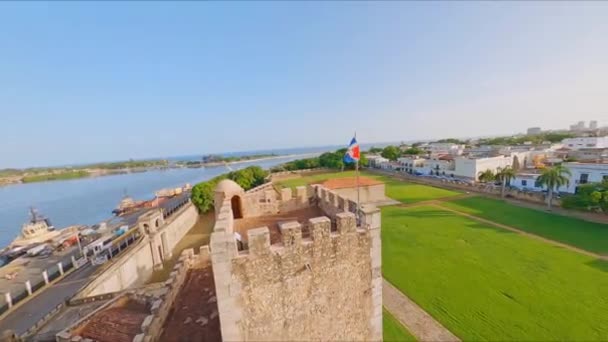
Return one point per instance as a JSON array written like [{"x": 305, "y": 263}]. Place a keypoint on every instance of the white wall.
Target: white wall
[
  {"x": 470, "y": 168},
  {"x": 595, "y": 173},
  {"x": 525, "y": 182},
  {"x": 585, "y": 142}
]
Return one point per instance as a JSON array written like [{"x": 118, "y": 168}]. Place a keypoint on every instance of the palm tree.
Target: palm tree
[
  {"x": 486, "y": 176},
  {"x": 553, "y": 178},
  {"x": 505, "y": 175}
]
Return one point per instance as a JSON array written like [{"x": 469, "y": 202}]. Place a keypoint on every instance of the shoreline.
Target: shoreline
[{"x": 93, "y": 173}]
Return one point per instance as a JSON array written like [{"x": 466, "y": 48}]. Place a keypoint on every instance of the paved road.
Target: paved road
[{"x": 29, "y": 313}]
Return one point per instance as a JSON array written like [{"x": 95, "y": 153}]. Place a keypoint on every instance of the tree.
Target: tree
[
  {"x": 391, "y": 152},
  {"x": 332, "y": 160},
  {"x": 413, "y": 151},
  {"x": 505, "y": 175},
  {"x": 553, "y": 178},
  {"x": 375, "y": 150},
  {"x": 486, "y": 176}
]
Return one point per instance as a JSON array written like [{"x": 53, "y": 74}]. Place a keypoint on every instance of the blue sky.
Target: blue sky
[{"x": 91, "y": 81}]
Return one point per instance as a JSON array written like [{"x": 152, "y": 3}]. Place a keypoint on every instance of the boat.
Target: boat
[{"x": 38, "y": 229}]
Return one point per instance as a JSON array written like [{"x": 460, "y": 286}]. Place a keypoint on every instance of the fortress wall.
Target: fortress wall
[
  {"x": 326, "y": 287},
  {"x": 129, "y": 269},
  {"x": 179, "y": 224},
  {"x": 136, "y": 265}
]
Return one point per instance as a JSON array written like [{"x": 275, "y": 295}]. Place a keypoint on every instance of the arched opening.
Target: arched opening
[
  {"x": 146, "y": 228},
  {"x": 236, "y": 207},
  {"x": 157, "y": 223}
]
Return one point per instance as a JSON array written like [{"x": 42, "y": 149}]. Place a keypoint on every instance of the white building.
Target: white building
[
  {"x": 585, "y": 142},
  {"x": 526, "y": 181},
  {"x": 443, "y": 165},
  {"x": 411, "y": 164},
  {"x": 437, "y": 148},
  {"x": 471, "y": 167},
  {"x": 376, "y": 161},
  {"x": 583, "y": 173},
  {"x": 579, "y": 126},
  {"x": 593, "y": 124}
]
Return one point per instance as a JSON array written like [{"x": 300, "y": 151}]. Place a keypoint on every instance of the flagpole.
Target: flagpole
[{"x": 357, "y": 176}]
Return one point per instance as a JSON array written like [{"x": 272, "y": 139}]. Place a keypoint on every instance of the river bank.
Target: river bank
[{"x": 62, "y": 174}]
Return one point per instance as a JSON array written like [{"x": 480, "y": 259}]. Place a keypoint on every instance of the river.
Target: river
[{"x": 91, "y": 200}]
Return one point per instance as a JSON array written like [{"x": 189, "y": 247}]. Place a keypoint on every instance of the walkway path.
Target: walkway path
[
  {"x": 517, "y": 230},
  {"x": 417, "y": 321}
]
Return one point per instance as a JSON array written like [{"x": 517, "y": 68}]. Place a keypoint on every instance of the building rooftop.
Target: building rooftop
[{"x": 349, "y": 182}]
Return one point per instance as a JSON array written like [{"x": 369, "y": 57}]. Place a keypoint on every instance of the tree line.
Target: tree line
[{"x": 330, "y": 160}]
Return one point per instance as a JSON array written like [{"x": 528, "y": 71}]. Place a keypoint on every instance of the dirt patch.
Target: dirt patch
[
  {"x": 194, "y": 315},
  {"x": 272, "y": 222},
  {"x": 116, "y": 324}
]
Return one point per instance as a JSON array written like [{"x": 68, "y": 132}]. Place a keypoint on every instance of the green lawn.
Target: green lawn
[
  {"x": 393, "y": 330},
  {"x": 586, "y": 235},
  {"x": 395, "y": 189},
  {"x": 486, "y": 283}
]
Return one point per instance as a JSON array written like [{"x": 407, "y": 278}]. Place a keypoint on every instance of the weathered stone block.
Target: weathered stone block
[
  {"x": 286, "y": 194},
  {"x": 259, "y": 241},
  {"x": 291, "y": 233},
  {"x": 320, "y": 228},
  {"x": 346, "y": 222},
  {"x": 138, "y": 338},
  {"x": 146, "y": 323}
]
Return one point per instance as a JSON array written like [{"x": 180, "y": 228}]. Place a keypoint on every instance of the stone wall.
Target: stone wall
[
  {"x": 324, "y": 287},
  {"x": 136, "y": 265}
]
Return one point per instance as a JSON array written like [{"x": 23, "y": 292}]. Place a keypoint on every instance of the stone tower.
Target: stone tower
[{"x": 308, "y": 278}]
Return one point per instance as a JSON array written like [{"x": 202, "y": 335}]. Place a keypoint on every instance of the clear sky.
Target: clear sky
[{"x": 92, "y": 81}]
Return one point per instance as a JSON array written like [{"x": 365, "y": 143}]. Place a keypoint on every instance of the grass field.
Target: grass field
[
  {"x": 395, "y": 189},
  {"x": 585, "y": 235},
  {"x": 485, "y": 283},
  {"x": 393, "y": 330}
]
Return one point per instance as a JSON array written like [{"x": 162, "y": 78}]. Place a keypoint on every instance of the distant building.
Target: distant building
[
  {"x": 593, "y": 124},
  {"x": 583, "y": 173},
  {"x": 526, "y": 181},
  {"x": 579, "y": 126},
  {"x": 589, "y": 155},
  {"x": 471, "y": 167},
  {"x": 534, "y": 131},
  {"x": 440, "y": 165},
  {"x": 375, "y": 161},
  {"x": 585, "y": 142},
  {"x": 437, "y": 148}
]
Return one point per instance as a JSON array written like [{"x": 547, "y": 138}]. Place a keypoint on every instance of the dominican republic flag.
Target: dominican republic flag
[{"x": 352, "y": 153}]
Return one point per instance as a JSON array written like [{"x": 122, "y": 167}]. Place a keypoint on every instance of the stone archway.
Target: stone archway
[{"x": 235, "y": 203}]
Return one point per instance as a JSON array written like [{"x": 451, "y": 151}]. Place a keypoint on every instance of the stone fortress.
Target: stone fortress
[
  {"x": 313, "y": 272},
  {"x": 280, "y": 266}
]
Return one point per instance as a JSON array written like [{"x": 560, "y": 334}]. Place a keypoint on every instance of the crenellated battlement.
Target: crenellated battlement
[{"x": 299, "y": 277}]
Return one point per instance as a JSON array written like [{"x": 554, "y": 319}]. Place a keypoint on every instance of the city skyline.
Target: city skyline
[{"x": 111, "y": 81}]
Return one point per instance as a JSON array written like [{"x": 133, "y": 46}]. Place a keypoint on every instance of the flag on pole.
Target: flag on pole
[{"x": 352, "y": 154}]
